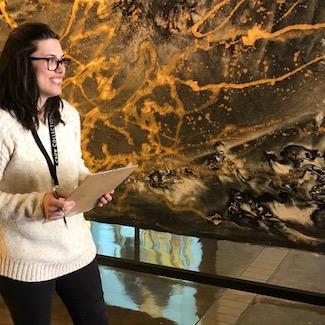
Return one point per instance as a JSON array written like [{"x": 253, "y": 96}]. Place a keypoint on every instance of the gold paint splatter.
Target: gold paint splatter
[
  {"x": 194, "y": 84},
  {"x": 7, "y": 18},
  {"x": 257, "y": 33},
  {"x": 212, "y": 13}
]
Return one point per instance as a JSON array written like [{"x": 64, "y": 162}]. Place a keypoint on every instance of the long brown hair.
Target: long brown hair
[{"x": 19, "y": 92}]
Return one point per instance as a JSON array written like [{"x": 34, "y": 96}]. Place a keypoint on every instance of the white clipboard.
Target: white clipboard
[{"x": 94, "y": 185}]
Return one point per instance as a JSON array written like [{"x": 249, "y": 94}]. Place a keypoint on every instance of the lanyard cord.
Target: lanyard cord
[
  {"x": 51, "y": 165},
  {"x": 55, "y": 155}
]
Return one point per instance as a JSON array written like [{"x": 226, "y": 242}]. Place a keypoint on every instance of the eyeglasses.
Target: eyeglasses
[{"x": 53, "y": 63}]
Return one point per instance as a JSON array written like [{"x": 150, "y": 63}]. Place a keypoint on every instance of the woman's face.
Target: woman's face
[{"x": 49, "y": 82}]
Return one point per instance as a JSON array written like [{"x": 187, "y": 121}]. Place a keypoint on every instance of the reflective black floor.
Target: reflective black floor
[{"x": 139, "y": 298}]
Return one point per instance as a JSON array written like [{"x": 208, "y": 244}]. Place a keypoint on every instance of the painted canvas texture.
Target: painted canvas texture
[{"x": 221, "y": 103}]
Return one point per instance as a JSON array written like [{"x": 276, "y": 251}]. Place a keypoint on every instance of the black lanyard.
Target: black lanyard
[{"x": 52, "y": 165}]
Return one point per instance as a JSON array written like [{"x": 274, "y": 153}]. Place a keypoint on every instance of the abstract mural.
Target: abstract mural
[{"x": 221, "y": 103}]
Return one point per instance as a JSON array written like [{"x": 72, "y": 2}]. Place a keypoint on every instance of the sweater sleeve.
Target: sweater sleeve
[{"x": 14, "y": 205}]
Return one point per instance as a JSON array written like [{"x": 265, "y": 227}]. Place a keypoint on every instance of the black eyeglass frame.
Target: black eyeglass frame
[{"x": 64, "y": 61}]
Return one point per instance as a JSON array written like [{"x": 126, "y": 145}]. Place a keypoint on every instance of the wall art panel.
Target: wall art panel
[{"x": 221, "y": 103}]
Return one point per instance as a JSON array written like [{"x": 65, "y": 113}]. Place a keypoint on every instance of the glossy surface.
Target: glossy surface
[
  {"x": 221, "y": 257},
  {"x": 142, "y": 299}
]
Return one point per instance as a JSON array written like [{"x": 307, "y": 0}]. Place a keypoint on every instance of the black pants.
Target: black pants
[{"x": 30, "y": 303}]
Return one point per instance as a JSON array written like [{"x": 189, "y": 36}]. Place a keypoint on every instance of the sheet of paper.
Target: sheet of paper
[{"x": 95, "y": 185}]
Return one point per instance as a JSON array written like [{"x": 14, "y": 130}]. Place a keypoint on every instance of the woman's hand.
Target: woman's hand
[
  {"x": 55, "y": 208},
  {"x": 107, "y": 197}
]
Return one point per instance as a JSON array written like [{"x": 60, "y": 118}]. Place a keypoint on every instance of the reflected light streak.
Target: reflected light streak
[{"x": 158, "y": 248}]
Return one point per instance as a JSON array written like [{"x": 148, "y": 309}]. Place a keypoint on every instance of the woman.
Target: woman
[{"x": 40, "y": 161}]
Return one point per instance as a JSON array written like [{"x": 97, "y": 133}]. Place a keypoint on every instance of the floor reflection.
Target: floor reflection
[
  {"x": 170, "y": 299},
  {"x": 167, "y": 301}
]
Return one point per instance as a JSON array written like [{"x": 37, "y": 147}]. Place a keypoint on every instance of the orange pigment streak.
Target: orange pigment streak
[
  {"x": 10, "y": 22},
  {"x": 290, "y": 10},
  {"x": 194, "y": 85},
  {"x": 256, "y": 33},
  {"x": 71, "y": 20},
  {"x": 196, "y": 26}
]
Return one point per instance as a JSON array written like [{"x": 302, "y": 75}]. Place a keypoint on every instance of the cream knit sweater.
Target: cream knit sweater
[{"x": 31, "y": 250}]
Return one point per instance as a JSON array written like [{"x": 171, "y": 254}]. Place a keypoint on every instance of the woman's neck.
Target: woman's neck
[
  {"x": 41, "y": 104},
  {"x": 40, "y": 107}
]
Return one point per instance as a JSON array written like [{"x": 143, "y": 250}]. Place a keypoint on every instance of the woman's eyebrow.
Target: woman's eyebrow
[{"x": 54, "y": 56}]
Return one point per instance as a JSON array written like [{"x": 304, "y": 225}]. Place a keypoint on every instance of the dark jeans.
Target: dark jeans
[{"x": 30, "y": 303}]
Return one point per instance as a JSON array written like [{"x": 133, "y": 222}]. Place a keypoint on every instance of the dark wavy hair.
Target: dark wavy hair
[{"x": 19, "y": 92}]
